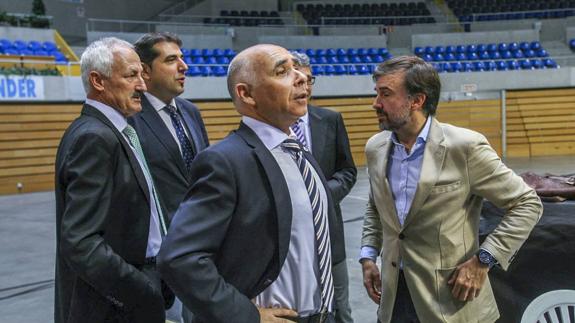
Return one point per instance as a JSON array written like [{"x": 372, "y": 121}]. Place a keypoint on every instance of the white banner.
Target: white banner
[{"x": 21, "y": 88}]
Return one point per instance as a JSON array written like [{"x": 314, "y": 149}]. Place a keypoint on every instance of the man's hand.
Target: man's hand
[
  {"x": 468, "y": 279},
  {"x": 277, "y": 315},
  {"x": 371, "y": 280}
]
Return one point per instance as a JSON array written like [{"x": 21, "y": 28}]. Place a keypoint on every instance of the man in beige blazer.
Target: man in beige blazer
[{"x": 428, "y": 180}]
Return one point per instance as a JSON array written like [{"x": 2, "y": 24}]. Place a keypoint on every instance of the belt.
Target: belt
[{"x": 315, "y": 318}]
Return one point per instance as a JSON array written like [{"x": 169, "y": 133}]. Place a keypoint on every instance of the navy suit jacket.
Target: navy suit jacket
[
  {"x": 230, "y": 236},
  {"x": 171, "y": 178},
  {"x": 330, "y": 148}
]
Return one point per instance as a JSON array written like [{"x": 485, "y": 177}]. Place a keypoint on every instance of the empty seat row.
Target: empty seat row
[
  {"x": 328, "y": 52},
  {"x": 207, "y": 52},
  {"x": 205, "y": 71},
  {"x": 357, "y": 69},
  {"x": 355, "y": 59},
  {"x": 478, "y": 48},
  {"x": 485, "y": 55},
  {"x": 495, "y": 65},
  {"x": 200, "y": 60},
  {"x": 48, "y": 46}
]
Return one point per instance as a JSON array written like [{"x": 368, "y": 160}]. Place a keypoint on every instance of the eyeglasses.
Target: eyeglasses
[{"x": 310, "y": 80}]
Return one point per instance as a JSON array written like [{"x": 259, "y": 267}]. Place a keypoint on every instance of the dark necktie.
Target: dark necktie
[
  {"x": 135, "y": 143},
  {"x": 319, "y": 221},
  {"x": 185, "y": 144},
  {"x": 298, "y": 129}
]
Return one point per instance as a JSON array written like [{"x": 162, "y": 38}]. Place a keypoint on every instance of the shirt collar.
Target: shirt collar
[
  {"x": 305, "y": 118},
  {"x": 268, "y": 134},
  {"x": 157, "y": 103},
  {"x": 117, "y": 119},
  {"x": 421, "y": 137}
]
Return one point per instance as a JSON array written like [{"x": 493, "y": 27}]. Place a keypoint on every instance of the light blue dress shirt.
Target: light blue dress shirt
[
  {"x": 297, "y": 286},
  {"x": 403, "y": 170},
  {"x": 119, "y": 122}
]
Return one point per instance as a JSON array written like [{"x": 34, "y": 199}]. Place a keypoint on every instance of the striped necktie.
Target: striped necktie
[
  {"x": 185, "y": 144},
  {"x": 298, "y": 129},
  {"x": 135, "y": 143},
  {"x": 319, "y": 212}
]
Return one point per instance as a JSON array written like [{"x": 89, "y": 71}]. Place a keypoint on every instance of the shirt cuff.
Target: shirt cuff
[{"x": 368, "y": 252}]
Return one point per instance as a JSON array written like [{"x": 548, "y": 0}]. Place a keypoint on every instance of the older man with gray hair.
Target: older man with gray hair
[{"x": 109, "y": 224}]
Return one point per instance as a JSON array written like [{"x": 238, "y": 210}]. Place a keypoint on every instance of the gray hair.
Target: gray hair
[
  {"x": 301, "y": 59},
  {"x": 99, "y": 57}
]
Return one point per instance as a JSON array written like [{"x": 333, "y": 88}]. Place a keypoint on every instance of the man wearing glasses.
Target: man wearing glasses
[{"x": 322, "y": 132}]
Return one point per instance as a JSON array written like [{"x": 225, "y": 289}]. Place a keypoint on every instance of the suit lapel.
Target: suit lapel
[
  {"x": 318, "y": 130},
  {"x": 192, "y": 126},
  {"x": 380, "y": 172},
  {"x": 159, "y": 129},
  {"x": 433, "y": 158},
  {"x": 140, "y": 178},
  {"x": 278, "y": 187}
]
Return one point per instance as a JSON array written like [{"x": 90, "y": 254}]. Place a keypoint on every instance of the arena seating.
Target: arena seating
[
  {"x": 485, "y": 10},
  {"x": 403, "y": 13},
  {"x": 20, "y": 47},
  {"x": 245, "y": 18},
  {"x": 487, "y": 57}
]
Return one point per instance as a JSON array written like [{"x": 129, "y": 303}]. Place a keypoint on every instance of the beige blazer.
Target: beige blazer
[{"x": 442, "y": 227}]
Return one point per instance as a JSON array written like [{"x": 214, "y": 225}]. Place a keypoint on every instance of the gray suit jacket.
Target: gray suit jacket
[{"x": 441, "y": 229}]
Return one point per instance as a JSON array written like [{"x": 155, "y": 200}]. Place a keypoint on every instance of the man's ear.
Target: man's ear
[
  {"x": 146, "y": 71},
  {"x": 243, "y": 93},
  {"x": 418, "y": 101},
  {"x": 97, "y": 81}
]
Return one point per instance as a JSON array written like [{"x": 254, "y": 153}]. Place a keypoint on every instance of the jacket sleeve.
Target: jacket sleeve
[
  {"x": 491, "y": 179},
  {"x": 187, "y": 256},
  {"x": 87, "y": 168},
  {"x": 345, "y": 175}
]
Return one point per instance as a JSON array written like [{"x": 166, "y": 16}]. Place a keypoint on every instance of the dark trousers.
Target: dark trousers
[{"x": 403, "y": 309}]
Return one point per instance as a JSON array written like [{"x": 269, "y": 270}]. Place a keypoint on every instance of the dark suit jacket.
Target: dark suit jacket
[
  {"x": 167, "y": 166},
  {"x": 330, "y": 148},
  {"x": 230, "y": 236},
  {"x": 103, "y": 219}
]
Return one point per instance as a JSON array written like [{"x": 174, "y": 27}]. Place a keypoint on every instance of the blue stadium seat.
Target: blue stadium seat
[
  {"x": 529, "y": 53},
  {"x": 501, "y": 65},
  {"x": 206, "y": 70},
  {"x": 460, "y": 49},
  {"x": 312, "y": 60},
  {"x": 320, "y": 52},
  {"x": 185, "y": 52},
  {"x": 525, "y": 64},
  {"x": 467, "y": 67},
  {"x": 188, "y": 60},
  {"x": 351, "y": 52},
  {"x": 230, "y": 53},
  {"x": 450, "y": 49},
  {"x": 378, "y": 59},
  {"x": 506, "y": 54},
  {"x": 355, "y": 59},
  {"x": 193, "y": 70},
  {"x": 383, "y": 52},
  {"x": 372, "y": 51},
  {"x": 35, "y": 45},
  {"x": 331, "y": 59},
  {"x": 419, "y": 51},
  {"x": 223, "y": 60},
  {"x": 49, "y": 46},
  {"x": 484, "y": 55},
  {"x": 457, "y": 66},
  {"x": 524, "y": 46},
  {"x": 447, "y": 68},
  {"x": 366, "y": 59},
  {"x": 542, "y": 53},
  {"x": 362, "y": 69},
  {"x": 449, "y": 57},
  {"x": 439, "y": 50},
  {"x": 343, "y": 59},
  {"x": 211, "y": 60},
  {"x": 461, "y": 56},
  {"x": 218, "y": 52},
  {"x": 481, "y": 48},
  {"x": 549, "y": 63},
  {"x": 518, "y": 54},
  {"x": 310, "y": 52},
  {"x": 206, "y": 52},
  {"x": 340, "y": 69},
  {"x": 317, "y": 70},
  {"x": 330, "y": 52},
  {"x": 502, "y": 47},
  {"x": 492, "y": 47},
  {"x": 194, "y": 52},
  {"x": 537, "y": 63},
  {"x": 329, "y": 70},
  {"x": 26, "y": 52},
  {"x": 513, "y": 46},
  {"x": 352, "y": 70},
  {"x": 472, "y": 56},
  {"x": 198, "y": 60},
  {"x": 19, "y": 45},
  {"x": 59, "y": 57},
  {"x": 340, "y": 52},
  {"x": 362, "y": 51},
  {"x": 5, "y": 44},
  {"x": 220, "y": 70},
  {"x": 438, "y": 67},
  {"x": 479, "y": 66},
  {"x": 427, "y": 57},
  {"x": 321, "y": 60},
  {"x": 535, "y": 45},
  {"x": 491, "y": 66},
  {"x": 513, "y": 65},
  {"x": 371, "y": 68},
  {"x": 41, "y": 52},
  {"x": 471, "y": 48},
  {"x": 11, "y": 51}
]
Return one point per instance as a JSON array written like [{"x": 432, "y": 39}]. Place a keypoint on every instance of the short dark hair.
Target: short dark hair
[
  {"x": 145, "y": 45},
  {"x": 420, "y": 77}
]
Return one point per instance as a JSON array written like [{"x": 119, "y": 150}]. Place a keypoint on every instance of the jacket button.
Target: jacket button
[
  {"x": 394, "y": 264},
  {"x": 401, "y": 236}
]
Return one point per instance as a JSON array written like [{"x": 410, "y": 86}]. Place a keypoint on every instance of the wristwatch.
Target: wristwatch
[{"x": 486, "y": 258}]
